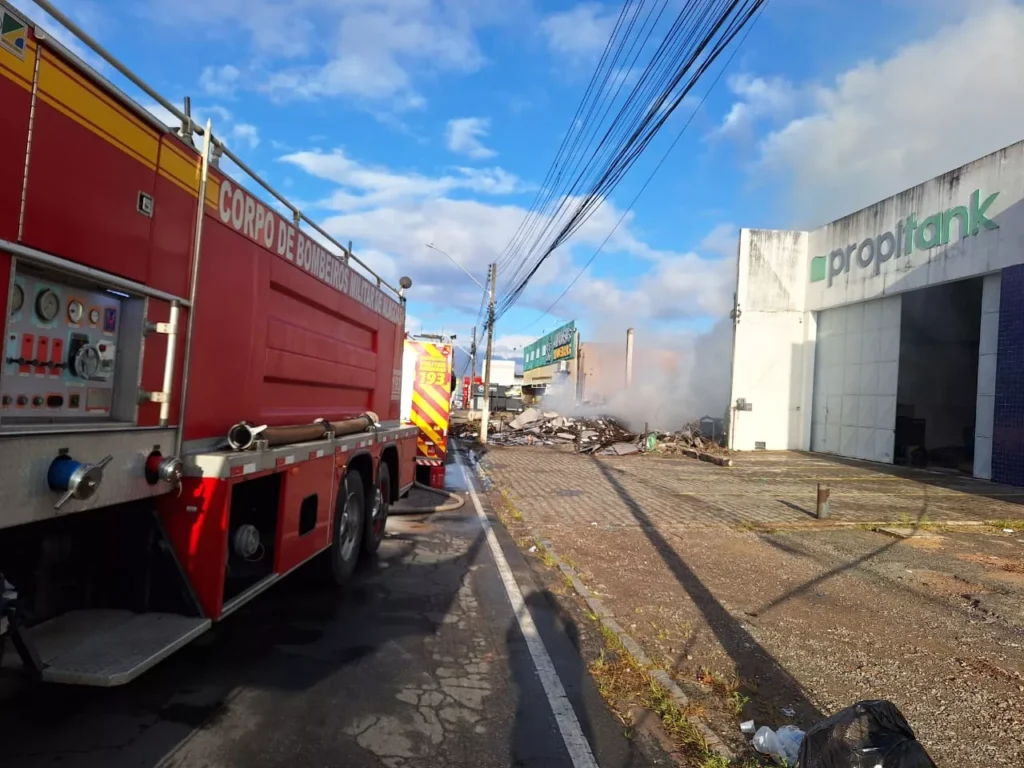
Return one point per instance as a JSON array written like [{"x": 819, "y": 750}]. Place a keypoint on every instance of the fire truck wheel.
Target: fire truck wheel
[
  {"x": 348, "y": 529},
  {"x": 380, "y": 506}
]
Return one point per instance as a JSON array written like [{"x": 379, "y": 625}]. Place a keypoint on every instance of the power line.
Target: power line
[
  {"x": 546, "y": 189},
  {"x": 653, "y": 173},
  {"x": 697, "y": 37},
  {"x": 637, "y": 142}
]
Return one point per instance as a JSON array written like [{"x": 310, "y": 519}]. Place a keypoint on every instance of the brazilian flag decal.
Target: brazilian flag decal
[{"x": 13, "y": 33}]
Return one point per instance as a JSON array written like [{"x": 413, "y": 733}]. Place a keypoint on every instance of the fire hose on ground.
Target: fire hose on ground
[{"x": 454, "y": 501}]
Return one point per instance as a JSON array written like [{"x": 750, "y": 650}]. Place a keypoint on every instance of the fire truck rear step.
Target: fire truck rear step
[{"x": 106, "y": 648}]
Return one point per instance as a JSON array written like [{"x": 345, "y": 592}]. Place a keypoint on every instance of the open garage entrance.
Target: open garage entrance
[{"x": 936, "y": 401}]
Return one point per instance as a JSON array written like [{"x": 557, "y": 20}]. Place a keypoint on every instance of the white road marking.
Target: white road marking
[{"x": 572, "y": 734}]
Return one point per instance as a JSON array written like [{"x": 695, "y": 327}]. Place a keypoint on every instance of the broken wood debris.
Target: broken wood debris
[{"x": 602, "y": 435}]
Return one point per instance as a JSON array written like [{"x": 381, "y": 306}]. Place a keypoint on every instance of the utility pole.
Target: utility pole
[
  {"x": 472, "y": 359},
  {"x": 485, "y": 417}
]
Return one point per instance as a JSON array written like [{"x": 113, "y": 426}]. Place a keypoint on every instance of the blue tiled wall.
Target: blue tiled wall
[{"x": 1008, "y": 426}]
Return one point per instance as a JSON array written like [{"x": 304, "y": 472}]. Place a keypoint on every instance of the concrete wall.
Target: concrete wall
[
  {"x": 503, "y": 372},
  {"x": 773, "y": 343},
  {"x": 988, "y": 348},
  {"x": 865, "y": 255}
]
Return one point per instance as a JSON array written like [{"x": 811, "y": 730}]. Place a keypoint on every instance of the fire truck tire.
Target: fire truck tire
[
  {"x": 349, "y": 520},
  {"x": 377, "y": 515}
]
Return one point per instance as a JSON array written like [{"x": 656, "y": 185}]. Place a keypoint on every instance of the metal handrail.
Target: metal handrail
[
  {"x": 187, "y": 123},
  {"x": 346, "y": 253},
  {"x": 107, "y": 56}
]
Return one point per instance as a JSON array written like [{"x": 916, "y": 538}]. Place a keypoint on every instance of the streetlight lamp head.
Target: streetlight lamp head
[{"x": 405, "y": 283}]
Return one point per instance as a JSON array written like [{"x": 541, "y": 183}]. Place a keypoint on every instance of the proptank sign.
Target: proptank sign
[{"x": 908, "y": 235}]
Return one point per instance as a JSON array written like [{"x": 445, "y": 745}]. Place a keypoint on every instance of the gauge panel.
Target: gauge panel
[
  {"x": 76, "y": 311},
  {"x": 60, "y": 352}
]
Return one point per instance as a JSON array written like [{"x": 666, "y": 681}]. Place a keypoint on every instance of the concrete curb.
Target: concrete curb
[{"x": 607, "y": 620}]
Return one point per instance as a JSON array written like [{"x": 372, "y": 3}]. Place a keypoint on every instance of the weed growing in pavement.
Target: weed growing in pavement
[
  {"x": 1014, "y": 525},
  {"x": 715, "y": 761},
  {"x": 737, "y": 701},
  {"x": 611, "y": 640},
  {"x": 546, "y": 557},
  {"x": 619, "y": 678},
  {"x": 749, "y": 525}
]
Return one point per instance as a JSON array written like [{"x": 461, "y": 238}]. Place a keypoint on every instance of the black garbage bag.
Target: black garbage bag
[{"x": 869, "y": 734}]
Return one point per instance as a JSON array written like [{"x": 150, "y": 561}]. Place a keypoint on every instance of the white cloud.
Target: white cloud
[
  {"x": 580, "y": 33},
  {"x": 246, "y": 134},
  {"x": 723, "y": 240},
  {"x": 391, "y": 215},
  {"x": 510, "y": 346},
  {"x": 885, "y": 126},
  {"x": 759, "y": 98},
  {"x": 163, "y": 114},
  {"x": 361, "y": 186},
  {"x": 220, "y": 81},
  {"x": 463, "y": 137},
  {"x": 369, "y": 50},
  {"x": 676, "y": 286}
]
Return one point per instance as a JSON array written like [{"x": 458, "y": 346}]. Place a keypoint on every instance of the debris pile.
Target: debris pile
[
  {"x": 688, "y": 438},
  {"x": 602, "y": 435}
]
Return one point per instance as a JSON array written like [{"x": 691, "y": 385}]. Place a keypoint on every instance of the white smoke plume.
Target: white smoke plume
[{"x": 676, "y": 379}]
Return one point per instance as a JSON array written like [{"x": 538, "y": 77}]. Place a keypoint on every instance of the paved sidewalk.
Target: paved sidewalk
[
  {"x": 790, "y": 626},
  {"x": 565, "y": 488}
]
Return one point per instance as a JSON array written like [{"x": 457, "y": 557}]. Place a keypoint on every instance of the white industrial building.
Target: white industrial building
[{"x": 893, "y": 334}]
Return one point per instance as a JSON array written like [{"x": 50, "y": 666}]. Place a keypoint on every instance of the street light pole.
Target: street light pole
[
  {"x": 453, "y": 261},
  {"x": 485, "y": 417}
]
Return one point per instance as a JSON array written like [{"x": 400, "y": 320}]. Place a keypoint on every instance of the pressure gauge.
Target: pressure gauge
[
  {"x": 75, "y": 311},
  {"x": 47, "y": 305},
  {"x": 86, "y": 362},
  {"x": 94, "y": 316},
  {"x": 17, "y": 299}
]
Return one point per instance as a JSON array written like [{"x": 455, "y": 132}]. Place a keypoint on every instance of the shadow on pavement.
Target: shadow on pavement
[{"x": 754, "y": 664}]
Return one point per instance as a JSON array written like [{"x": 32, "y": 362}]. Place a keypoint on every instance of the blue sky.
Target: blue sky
[{"x": 397, "y": 123}]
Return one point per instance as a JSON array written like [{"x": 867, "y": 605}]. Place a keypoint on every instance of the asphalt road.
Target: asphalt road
[{"x": 420, "y": 662}]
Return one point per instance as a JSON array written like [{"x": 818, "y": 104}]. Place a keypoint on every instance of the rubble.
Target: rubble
[{"x": 602, "y": 435}]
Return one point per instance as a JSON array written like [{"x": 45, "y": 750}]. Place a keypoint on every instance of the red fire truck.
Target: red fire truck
[{"x": 199, "y": 395}]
